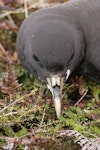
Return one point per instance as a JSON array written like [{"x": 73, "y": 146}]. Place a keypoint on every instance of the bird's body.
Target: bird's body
[{"x": 54, "y": 42}]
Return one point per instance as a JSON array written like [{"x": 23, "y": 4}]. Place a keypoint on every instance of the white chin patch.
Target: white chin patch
[{"x": 67, "y": 74}]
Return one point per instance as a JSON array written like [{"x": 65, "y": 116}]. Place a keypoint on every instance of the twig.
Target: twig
[
  {"x": 81, "y": 98},
  {"x": 16, "y": 112},
  {"x": 21, "y": 10},
  {"x": 11, "y": 21},
  {"x": 3, "y": 50},
  {"x": 26, "y": 8},
  {"x": 9, "y": 114},
  {"x": 42, "y": 119},
  {"x": 5, "y": 53},
  {"x": 17, "y": 100}
]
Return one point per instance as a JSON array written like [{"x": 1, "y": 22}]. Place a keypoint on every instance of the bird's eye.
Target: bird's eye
[{"x": 35, "y": 58}]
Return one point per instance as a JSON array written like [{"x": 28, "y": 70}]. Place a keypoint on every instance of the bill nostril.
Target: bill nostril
[{"x": 35, "y": 58}]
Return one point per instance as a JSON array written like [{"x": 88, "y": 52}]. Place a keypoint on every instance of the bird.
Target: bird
[{"x": 54, "y": 42}]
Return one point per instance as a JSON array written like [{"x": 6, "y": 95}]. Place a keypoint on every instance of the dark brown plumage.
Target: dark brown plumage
[{"x": 54, "y": 42}]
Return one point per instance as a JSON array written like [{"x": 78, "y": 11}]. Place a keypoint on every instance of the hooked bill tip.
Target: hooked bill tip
[
  {"x": 57, "y": 102},
  {"x": 55, "y": 84}
]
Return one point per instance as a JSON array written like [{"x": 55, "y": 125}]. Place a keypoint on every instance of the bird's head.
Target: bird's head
[{"x": 52, "y": 49}]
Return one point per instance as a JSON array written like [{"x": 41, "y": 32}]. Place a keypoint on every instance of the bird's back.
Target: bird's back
[{"x": 86, "y": 15}]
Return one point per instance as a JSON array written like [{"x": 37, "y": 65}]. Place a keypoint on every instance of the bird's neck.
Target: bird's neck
[{"x": 79, "y": 52}]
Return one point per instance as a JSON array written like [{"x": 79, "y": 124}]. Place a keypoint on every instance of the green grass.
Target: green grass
[{"x": 30, "y": 110}]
